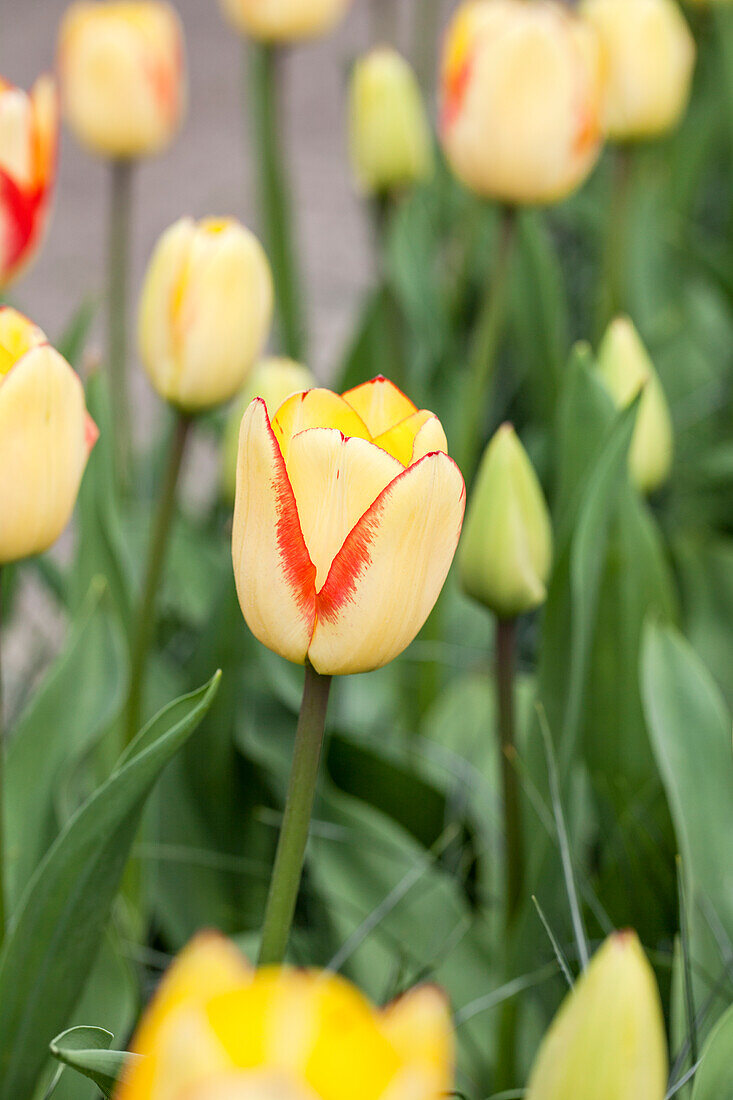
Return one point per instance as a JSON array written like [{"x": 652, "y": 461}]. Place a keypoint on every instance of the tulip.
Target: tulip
[
  {"x": 121, "y": 67},
  {"x": 391, "y": 142},
  {"x": 521, "y": 99},
  {"x": 283, "y": 20},
  {"x": 627, "y": 369},
  {"x": 607, "y": 1042},
  {"x": 649, "y": 55},
  {"x": 219, "y": 1030},
  {"x": 205, "y": 312},
  {"x": 347, "y": 516},
  {"x": 46, "y": 436},
  {"x": 506, "y": 550},
  {"x": 274, "y": 380},
  {"x": 28, "y": 144}
]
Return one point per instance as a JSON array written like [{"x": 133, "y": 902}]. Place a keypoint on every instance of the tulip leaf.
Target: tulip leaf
[
  {"x": 57, "y": 930},
  {"x": 714, "y": 1078},
  {"x": 86, "y": 1049}
]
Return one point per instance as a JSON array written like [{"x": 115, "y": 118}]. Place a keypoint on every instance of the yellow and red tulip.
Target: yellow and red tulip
[
  {"x": 283, "y": 20},
  {"x": 28, "y": 146},
  {"x": 220, "y": 1030},
  {"x": 46, "y": 436},
  {"x": 649, "y": 57},
  {"x": 205, "y": 311},
  {"x": 521, "y": 99},
  {"x": 347, "y": 516},
  {"x": 122, "y": 73}
]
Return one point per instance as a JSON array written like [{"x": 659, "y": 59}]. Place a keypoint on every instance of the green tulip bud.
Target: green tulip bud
[
  {"x": 607, "y": 1041},
  {"x": 506, "y": 550},
  {"x": 626, "y": 368},
  {"x": 390, "y": 139},
  {"x": 274, "y": 380}
]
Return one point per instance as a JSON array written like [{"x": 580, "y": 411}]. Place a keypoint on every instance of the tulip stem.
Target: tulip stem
[
  {"x": 120, "y": 206},
  {"x": 145, "y": 625},
  {"x": 274, "y": 195},
  {"x": 612, "y": 291},
  {"x": 485, "y": 345},
  {"x": 384, "y": 22},
  {"x": 427, "y": 22},
  {"x": 288, "y": 868},
  {"x": 2, "y": 784},
  {"x": 391, "y": 346}
]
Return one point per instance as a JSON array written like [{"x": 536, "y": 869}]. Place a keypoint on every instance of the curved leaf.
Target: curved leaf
[{"x": 86, "y": 1049}]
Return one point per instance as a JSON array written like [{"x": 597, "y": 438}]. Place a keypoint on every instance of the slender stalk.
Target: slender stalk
[
  {"x": 291, "y": 846},
  {"x": 612, "y": 291},
  {"x": 426, "y": 27},
  {"x": 384, "y": 22},
  {"x": 274, "y": 194},
  {"x": 120, "y": 207},
  {"x": 145, "y": 625},
  {"x": 392, "y": 348},
  {"x": 485, "y": 346},
  {"x": 2, "y": 783}
]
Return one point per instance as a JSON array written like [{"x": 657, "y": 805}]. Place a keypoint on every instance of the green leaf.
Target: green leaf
[
  {"x": 86, "y": 1049},
  {"x": 73, "y": 339},
  {"x": 714, "y": 1078},
  {"x": 54, "y": 938}
]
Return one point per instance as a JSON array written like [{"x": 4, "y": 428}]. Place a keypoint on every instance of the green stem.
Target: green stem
[
  {"x": 120, "y": 206},
  {"x": 612, "y": 291},
  {"x": 291, "y": 846},
  {"x": 384, "y": 22},
  {"x": 145, "y": 625},
  {"x": 391, "y": 349},
  {"x": 427, "y": 44},
  {"x": 274, "y": 195},
  {"x": 485, "y": 345},
  {"x": 2, "y": 786}
]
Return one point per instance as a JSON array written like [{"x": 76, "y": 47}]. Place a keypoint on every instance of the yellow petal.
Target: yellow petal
[
  {"x": 255, "y": 1085},
  {"x": 419, "y": 1025},
  {"x": 401, "y": 440},
  {"x": 387, "y": 576},
  {"x": 315, "y": 409},
  {"x": 17, "y": 336},
  {"x": 274, "y": 574},
  {"x": 379, "y": 404},
  {"x": 43, "y": 451},
  {"x": 335, "y": 480}
]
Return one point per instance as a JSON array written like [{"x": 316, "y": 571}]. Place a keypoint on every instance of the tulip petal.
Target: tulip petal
[
  {"x": 335, "y": 480},
  {"x": 315, "y": 409},
  {"x": 418, "y": 1025},
  {"x": 380, "y": 404},
  {"x": 274, "y": 574},
  {"x": 387, "y": 576},
  {"x": 402, "y": 440}
]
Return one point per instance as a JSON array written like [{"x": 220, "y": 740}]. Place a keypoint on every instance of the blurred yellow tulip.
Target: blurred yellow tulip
[
  {"x": 521, "y": 99},
  {"x": 347, "y": 516},
  {"x": 122, "y": 72},
  {"x": 649, "y": 56},
  {"x": 273, "y": 380},
  {"x": 46, "y": 436},
  {"x": 205, "y": 311},
  {"x": 390, "y": 139},
  {"x": 284, "y": 20},
  {"x": 607, "y": 1042},
  {"x": 219, "y": 1030},
  {"x": 29, "y": 129},
  {"x": 626, "y": 369},
  {"x": 506, "y": 550}
]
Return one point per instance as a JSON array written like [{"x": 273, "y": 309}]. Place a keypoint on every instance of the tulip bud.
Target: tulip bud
[
  {"x": 28, "y": 143},
  {"x": 607, "y": 1042},
  {"x": 506, "y": 550},
  {"x": 283, "y": 20},
  {"x": 122, "y": 75},
  {"x": 626, "y": 368},
  {"x": 391, "y": 143},
  {"x": 521, "y": 99},
  {"x": 649, "y": 55},
  {"x": 46, "y": 436},
  {"x": 205, "y": 311},
  {"x": 273, "y": 380}
]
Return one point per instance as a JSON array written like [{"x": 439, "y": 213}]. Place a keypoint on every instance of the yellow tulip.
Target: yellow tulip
[
  {"x": 283, "y": 20},
  {"x": 521, "y": 99},
  {"x": 347, "y": 516},
  {"x": 122, "y": 72},
  {"x": 607, "y": 1042},
  {"x": 506, "y": 549},
  {"x": 205, "y": 311},
  {"x": 45, "y": 439},
  {"x": 28, "y": 143},
  {"x": 626, "y": 369},
  {"x": 273, "y": 380},
  {"x": 391, "y": 142},
  {"x": 649, "y": 55},
  {"x": 219, "y": 1030}
]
